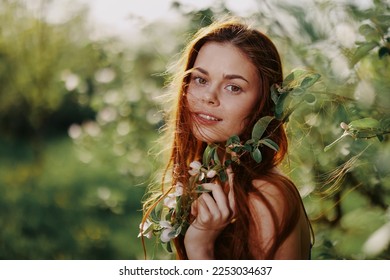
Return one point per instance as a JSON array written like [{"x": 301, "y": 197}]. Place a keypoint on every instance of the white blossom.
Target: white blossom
[
  {"x": 195, "y": 169},
  {"x": 170, "y": 201},
  {"x": 167, "y": 228},
  {"x": 144, "y": 227},
  {"x": 165, "y": 235},
  {"x": 211, "y": 174},
  {"x": 179, "y": 189}
]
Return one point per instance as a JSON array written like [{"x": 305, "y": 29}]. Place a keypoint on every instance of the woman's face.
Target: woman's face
[{"x": 223, "y": 89}]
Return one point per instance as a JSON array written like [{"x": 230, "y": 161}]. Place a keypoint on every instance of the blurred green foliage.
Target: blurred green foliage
[
  {"x": 64, "y": 209},
  {"x": 79, "y": 118}
]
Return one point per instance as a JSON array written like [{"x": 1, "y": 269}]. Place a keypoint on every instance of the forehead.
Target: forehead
[{"x": 225, "y": 57}]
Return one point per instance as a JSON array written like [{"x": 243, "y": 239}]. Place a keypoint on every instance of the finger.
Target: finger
[
  {"x": 231, "y": 198},
  {"x": 219, "y": 198},
  {"x": 194, "y": 208},
  {"x": 204, "y": 214},
  {"x": 217, "y": 193},
  {"x": 210, "y": 203}
]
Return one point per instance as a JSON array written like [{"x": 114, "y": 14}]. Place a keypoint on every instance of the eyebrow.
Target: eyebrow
[{"x": 225, "y": 76}]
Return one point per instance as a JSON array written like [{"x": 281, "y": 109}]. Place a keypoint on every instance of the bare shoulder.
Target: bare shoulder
[
  {"x": 278, "y": 216},
  {"x": 268, "y": 199},
  {"x": 276, "y": 191},
  {"x": 272, "y": 189}
]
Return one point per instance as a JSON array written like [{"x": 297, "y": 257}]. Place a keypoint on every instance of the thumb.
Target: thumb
[{"x": 194, "y": 208}]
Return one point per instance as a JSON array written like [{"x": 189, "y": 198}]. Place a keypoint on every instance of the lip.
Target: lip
[{"x": 206, "y": 118}]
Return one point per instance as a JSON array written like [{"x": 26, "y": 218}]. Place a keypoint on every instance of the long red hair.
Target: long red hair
[{"x": 234, "y": 241}]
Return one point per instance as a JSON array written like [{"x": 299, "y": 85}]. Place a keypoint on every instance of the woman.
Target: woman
[{"x": 223, "y": 90}]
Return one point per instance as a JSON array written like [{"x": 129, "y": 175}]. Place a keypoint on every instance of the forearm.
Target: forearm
[{"x": 199, "y": 244}]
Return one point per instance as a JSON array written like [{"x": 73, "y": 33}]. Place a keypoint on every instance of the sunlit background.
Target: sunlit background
[{"x": 80, "y": 116}]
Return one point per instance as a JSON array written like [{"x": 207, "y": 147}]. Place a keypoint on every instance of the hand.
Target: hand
[{"x": 212, "y": 214}]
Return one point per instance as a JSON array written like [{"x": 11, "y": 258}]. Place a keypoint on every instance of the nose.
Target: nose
[{"x": 210, "y": 97}]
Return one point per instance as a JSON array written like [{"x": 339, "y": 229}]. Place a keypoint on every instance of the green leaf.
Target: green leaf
[
  {"x": 293, "y": 76},
  {"x": 295, "y": 84},
  {"x": 369, "y": 32},
  {"x": 168, "y": 216},
  {"x": 158, "y": 209},
  {"x": 270, "y": 143},
  {"x": 228, "y": 162},
  {"x": 178, "y": 202},
  {"x": 256, "y": 155},
  {"x": 248, "y": 147},
  {"x": 383, "y": 21},
  {"x": 174, "y": 233},
  {"x": 310, "y": 80},
  {"x": 300, "y": 78},
  {"x": 274, "y": 94},
  {"x": 237, "y": 149},
  {"x": 297, "y": 91},
  {"x": 279, "y": 107},
  {"x": 365, "y": 123},
  {"x": 309, "y": 98},
  {"x": 362, "y": 51},
  {"x": 260, "y": 126},
  {"x": 233, "y": 140},
  {"x": 155, "y": 215},
  {"x": 216, "y": 158},
  {"x": 223, "y": 176},
  {"x": 385, "y": 124},
  {"x": 168, "y": 247},
  {"x": 208, "y": 154},
  {"x": 362, "y": 128},
  {"x": 365, "y": 134},
  {"x": 178, "y": 230}
]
